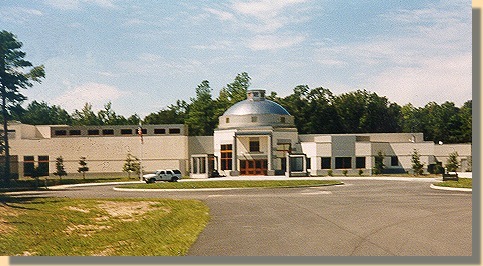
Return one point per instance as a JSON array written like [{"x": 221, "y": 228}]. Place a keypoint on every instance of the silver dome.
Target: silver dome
[{"x": 250, "y": 107}]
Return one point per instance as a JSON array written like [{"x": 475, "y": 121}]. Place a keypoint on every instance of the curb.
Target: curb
[
  {"x": 451, "y": 188},
  {"x": 92, "y": 184}
]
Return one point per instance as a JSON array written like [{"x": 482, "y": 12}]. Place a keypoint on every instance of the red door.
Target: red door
[{"x": 253, "y": 167}]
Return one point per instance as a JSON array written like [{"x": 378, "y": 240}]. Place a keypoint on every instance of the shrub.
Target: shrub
[{"x": 330, "y": 173}]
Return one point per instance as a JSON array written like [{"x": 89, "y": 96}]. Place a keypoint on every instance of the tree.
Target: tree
[
  {"x": 201, "y": 118},
  {"x": 107, "y": 116},
  {"x": 83, "y": 167},
  {"x": 12, "y": 79},
  {"x": 40, "y": 113},
  {"x": 237, "y": 90},
  {"x": 131, "y": 164},
  {"x": 378, "y": 163},
  {"x": 85, "y": 117},
  {"x": 173, "y": 114},
  {"x": 59, "y": 166},
  {"x": 452, "y": 163},
  {"x": 417, "y": 166}
]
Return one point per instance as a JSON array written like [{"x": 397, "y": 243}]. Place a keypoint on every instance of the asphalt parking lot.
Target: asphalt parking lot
[{"x": 360, "y": 218}]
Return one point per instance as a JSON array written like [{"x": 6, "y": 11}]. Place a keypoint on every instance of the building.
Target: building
[{"x": 254, "y": 137}]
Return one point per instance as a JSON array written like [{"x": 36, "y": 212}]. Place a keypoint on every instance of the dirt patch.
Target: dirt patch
[
  {"x": 127, "y": 211},
  {"x": 73, "y": 208},
  {"x": 85, "y": 230}
]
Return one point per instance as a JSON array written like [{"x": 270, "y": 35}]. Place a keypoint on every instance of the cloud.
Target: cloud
[
  {"x": 274, "y": 42},
  {"x": 265, "y": 22},
  {"x": 222, "y": 15},
  {"x": 427, "y": 57},
  {"x": 18, "y": 14},
  {"x": 263, "y": 9},
  {"x": 95, "y": 93},
  {"x": 76, "y": 4}
]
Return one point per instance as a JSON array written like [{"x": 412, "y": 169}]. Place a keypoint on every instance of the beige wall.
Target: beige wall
[{"x": 107, "y": 154}]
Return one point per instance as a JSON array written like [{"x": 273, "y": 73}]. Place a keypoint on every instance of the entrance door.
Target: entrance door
[{"x": 253, "y": 167}]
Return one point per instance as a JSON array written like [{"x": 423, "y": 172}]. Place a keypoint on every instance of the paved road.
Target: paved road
[{"x": 360, "y": 218}]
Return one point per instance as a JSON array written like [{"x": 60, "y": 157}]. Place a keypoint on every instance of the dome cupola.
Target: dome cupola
[{"x": 256, "y": 111}]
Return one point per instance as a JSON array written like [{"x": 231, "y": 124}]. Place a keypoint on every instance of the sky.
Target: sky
[{"x": 143, "y": 56}]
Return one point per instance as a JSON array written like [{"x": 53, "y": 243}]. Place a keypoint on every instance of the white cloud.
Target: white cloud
[
  {"x": 76, "y": 4},
  {"x": 264, "y": 9},
  {"x": 222, "y": 15},
  {"x": 427, "y": 58},
  {"x": 18, "y": 14},
  {"x": 95, "y": 93},
  {"x": 274, "y": 42},
  {"x": 264, "y": 21}
]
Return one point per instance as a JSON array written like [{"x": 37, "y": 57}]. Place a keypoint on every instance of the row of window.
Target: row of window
[
  {"x": 254, "y": 119},
  {"x": 346, "y": 162},
  {"x": 107, "y": 132}
]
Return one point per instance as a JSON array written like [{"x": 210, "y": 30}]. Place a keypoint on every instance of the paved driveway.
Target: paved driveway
[{"x": 360, "y": 218}]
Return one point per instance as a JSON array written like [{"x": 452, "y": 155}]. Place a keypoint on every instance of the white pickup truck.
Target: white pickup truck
[{"x": 171, "y": 175}]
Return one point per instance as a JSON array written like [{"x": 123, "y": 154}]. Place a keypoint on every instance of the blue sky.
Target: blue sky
[{"x": 144, "y": 55}]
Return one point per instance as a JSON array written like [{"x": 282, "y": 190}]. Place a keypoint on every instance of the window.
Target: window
[
  {"x": 254, "y": 145},
  {"x": 394, "y": 161},
  {"x": 74, "y": 132},
  {"x": 227, "y": 120},
  {"x": 28, "y": 165},
  {"x": 296, "y": 164},
  {"x": 44, "y": 165},
  {"x": 126, "y": 131},
  {"x": 343, "y": 162},
  {"x": 195, "y": 165},
  {"x": 360, "y": 162},
  {"x": 144, "y": 131},
  {"x": 308, "y": 163},
  {"x": 282, "y": 120},
  {"x": 226, "y": 153},
  {"x": 93, "y": 132},
  {"x": 202, "y": 165},
  {"x": 326, "y": 163},
  {"x": 159, "y": 131},
  {"x": 60, "y": 132},
  {"x": 174, "y": 131},
  {"x": 254, "y": 119},
  {"x": 108, "y": 132}
]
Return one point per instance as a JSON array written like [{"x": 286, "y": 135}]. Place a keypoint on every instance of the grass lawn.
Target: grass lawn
[
  {"x": 99, "y": 227},
  {"x": 461, "y": 183},
  {"x": 232, "y": 184}
]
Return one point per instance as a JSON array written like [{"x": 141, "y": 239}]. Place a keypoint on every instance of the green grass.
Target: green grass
[
  {"x": 461, "y": 183},
  {"x": 107, "y": 227},
  {"x": 232, "y": 184}
]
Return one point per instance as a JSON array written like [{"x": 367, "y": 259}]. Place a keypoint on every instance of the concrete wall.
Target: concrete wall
[{"x": 107, "y": 154}]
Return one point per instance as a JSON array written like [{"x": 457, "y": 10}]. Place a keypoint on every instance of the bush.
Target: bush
[
  {"x": 361, "y": 172},
  {"x": 344, "y": 172},
  {"x": 330, "y": 173}
]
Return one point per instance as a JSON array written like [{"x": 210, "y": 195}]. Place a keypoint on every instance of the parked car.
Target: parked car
[{"x": 170, "y": 175}]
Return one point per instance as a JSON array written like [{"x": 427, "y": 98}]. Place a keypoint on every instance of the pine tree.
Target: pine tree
[
  {"x": 83, "y": 167},
  {"x": 59, "y": 166},
  {"x": 452, "y": 163},
  {"x": 132, "y": 164},
  {"x": 417, "y": 166}
]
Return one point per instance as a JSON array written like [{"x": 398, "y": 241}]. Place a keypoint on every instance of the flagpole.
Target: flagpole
[{"x": 140, "y": 133}]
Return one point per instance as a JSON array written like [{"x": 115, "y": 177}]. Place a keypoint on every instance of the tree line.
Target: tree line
[{"x": 316, "y": 111}]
